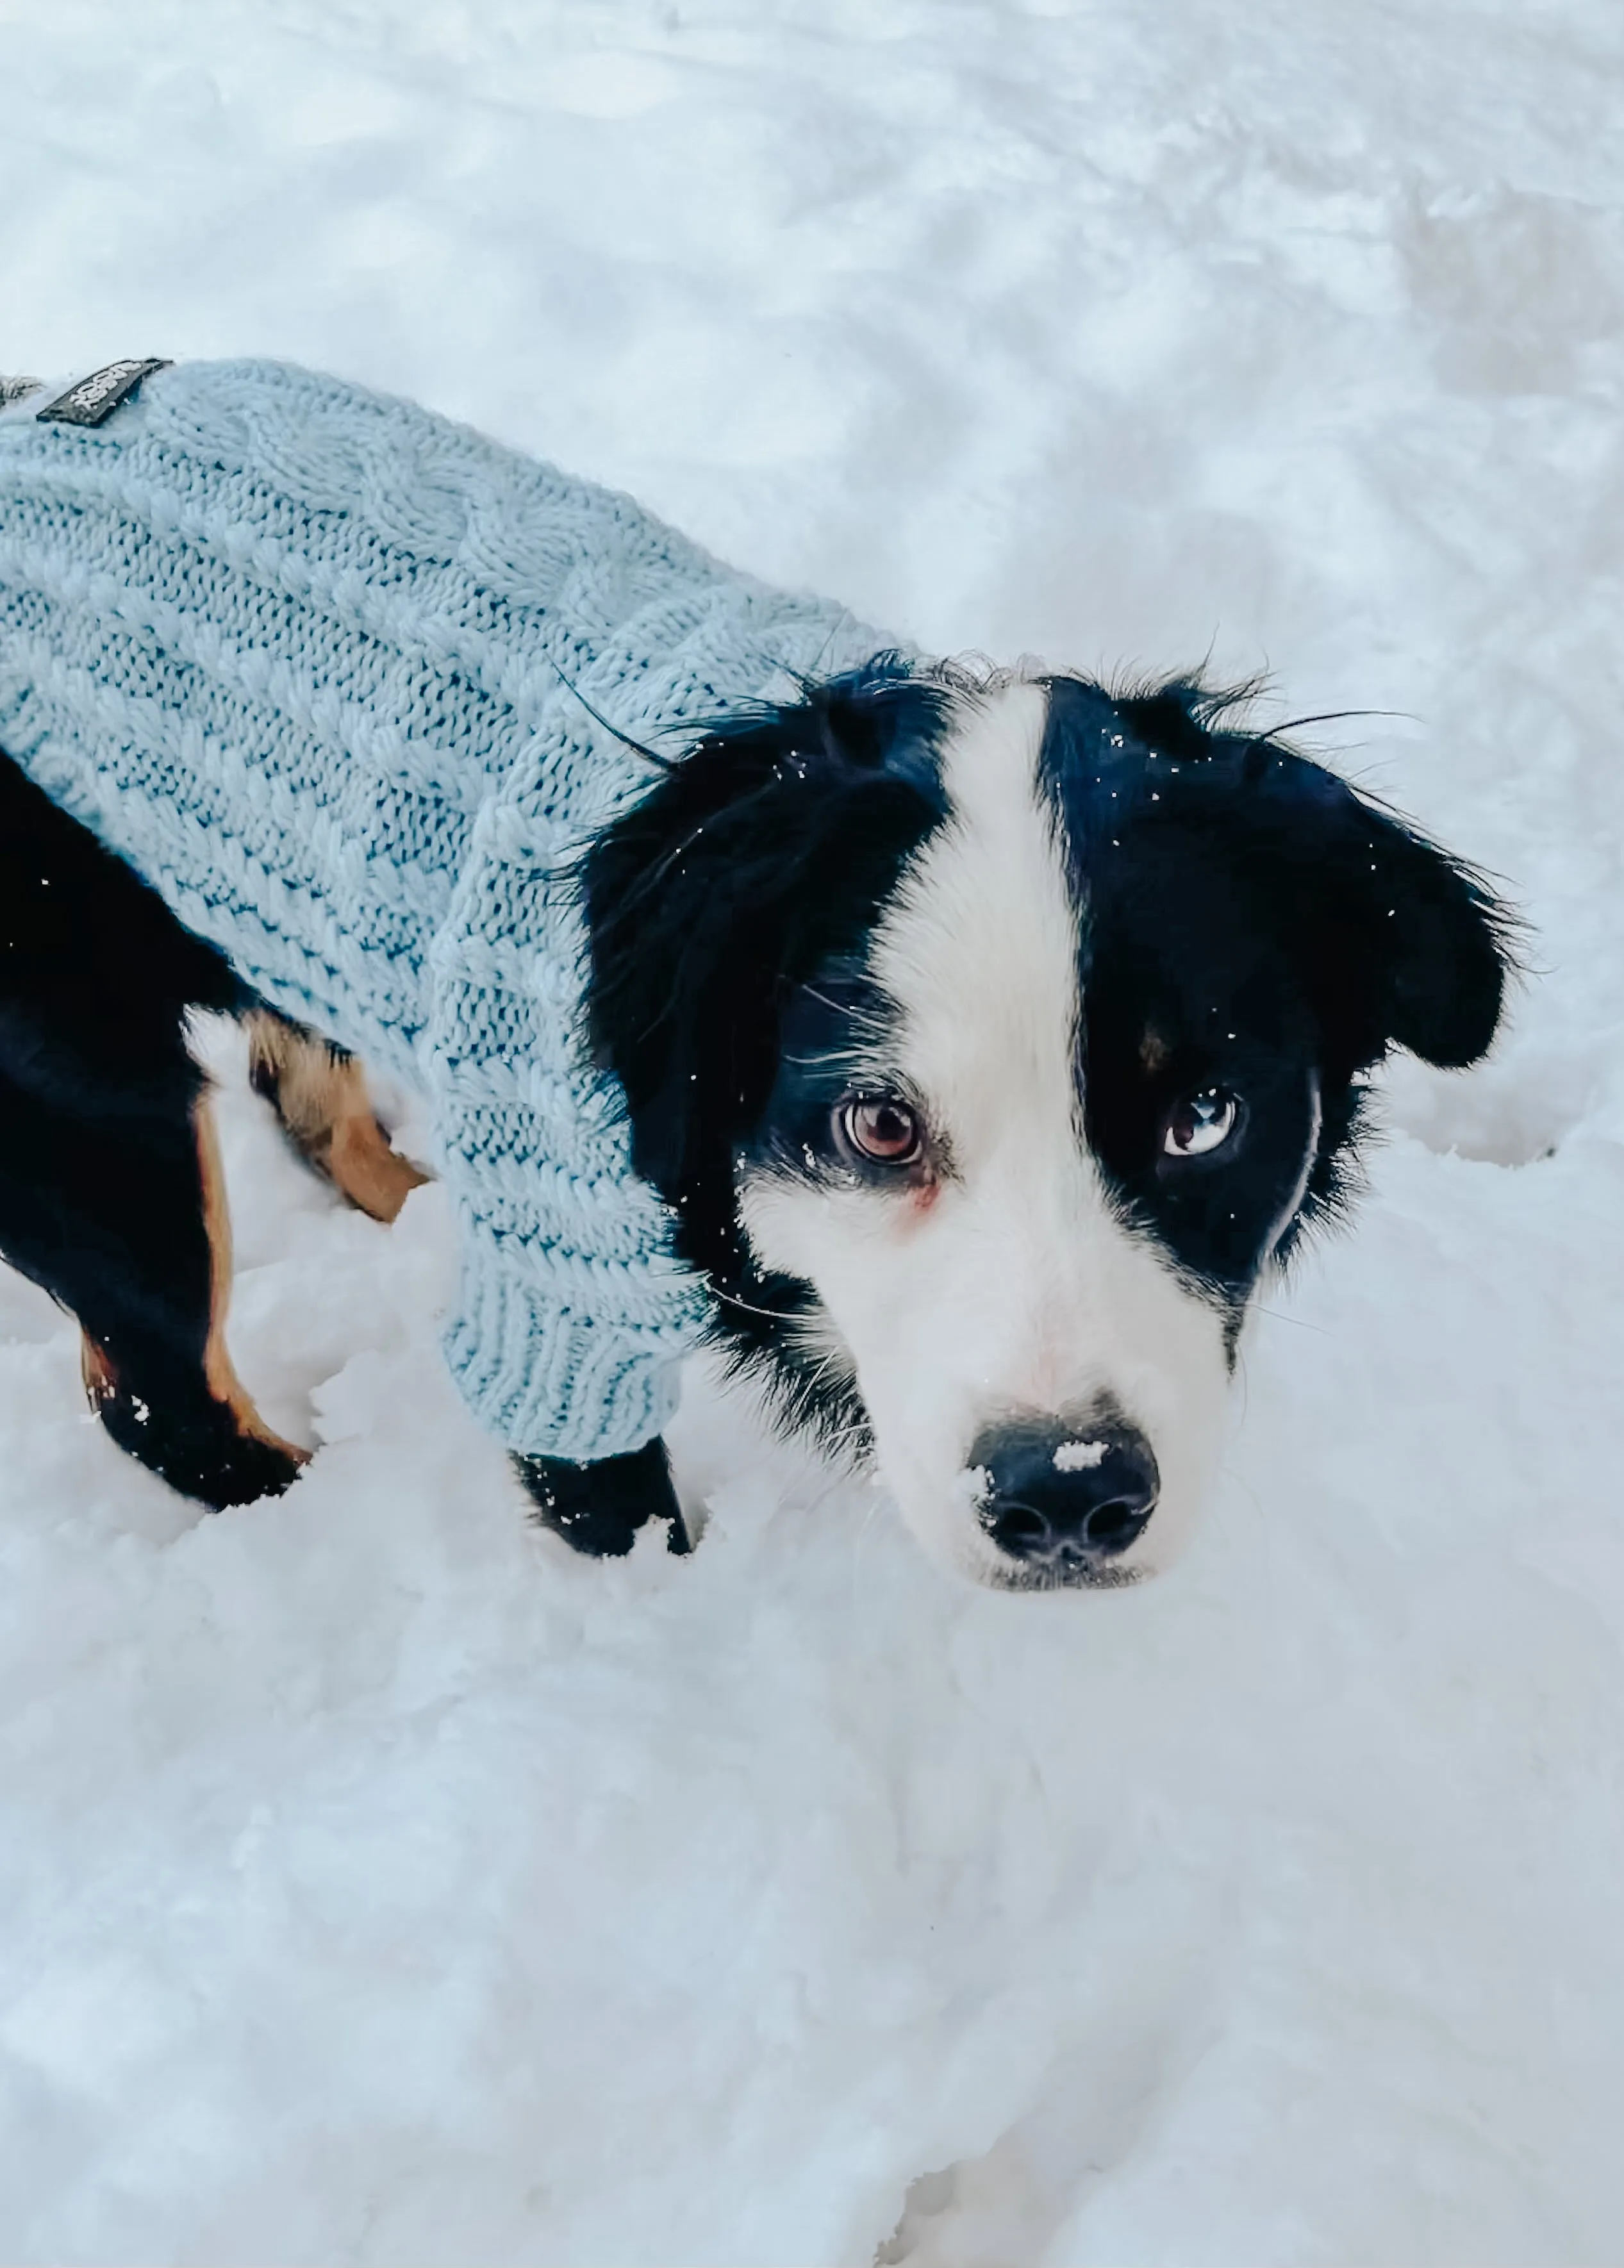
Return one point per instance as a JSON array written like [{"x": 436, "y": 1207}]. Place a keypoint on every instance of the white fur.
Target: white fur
[{"x": 1017, "y": 1289}]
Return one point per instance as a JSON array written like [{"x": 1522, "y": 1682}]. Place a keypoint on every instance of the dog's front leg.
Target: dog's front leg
[
  {"x": 598, "y": 1508},
  {"x": 319, "y": 1093}
]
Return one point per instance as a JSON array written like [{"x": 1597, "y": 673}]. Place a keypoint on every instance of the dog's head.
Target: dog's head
[{"x": 990, "y": 1043}]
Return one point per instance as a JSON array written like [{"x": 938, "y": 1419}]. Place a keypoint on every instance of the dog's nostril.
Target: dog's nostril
[
  {"x": 1066, "y": 1495},
  {"x": 1112, "y": 1526},
  {"x": 1020, "y": 1529}
]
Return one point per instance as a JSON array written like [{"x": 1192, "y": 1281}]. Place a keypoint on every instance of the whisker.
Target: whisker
[
  {"x": 1300, "y": 1322},
  {"x": 652, "y": 755},
  {"x": 1334, "y": 716},
  {"x": 746, "y": 1307}
]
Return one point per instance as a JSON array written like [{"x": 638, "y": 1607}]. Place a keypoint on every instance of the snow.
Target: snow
[
  {"x": 378, "y": 1882},
  {"x": 1079, "y": 1456}
]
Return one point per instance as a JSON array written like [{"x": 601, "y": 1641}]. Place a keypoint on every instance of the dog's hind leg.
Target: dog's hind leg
[
  {"x": 170, "y": 1395},
  {"x": 125, "y": 1225},
  {"x": 319, "y": 1093},
  {"x": 219, "y": 1372},
  {"x": 110, "y": 1191}
]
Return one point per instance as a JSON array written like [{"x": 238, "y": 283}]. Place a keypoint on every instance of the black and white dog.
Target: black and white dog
[{"x": 991, "y": 1039}]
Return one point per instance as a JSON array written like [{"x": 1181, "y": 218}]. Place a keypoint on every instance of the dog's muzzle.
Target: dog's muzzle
[{"x": 1064, "y": 1499}]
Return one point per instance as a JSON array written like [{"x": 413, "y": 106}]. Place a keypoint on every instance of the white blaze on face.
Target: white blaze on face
[{"x": 1011, "y": 1288}]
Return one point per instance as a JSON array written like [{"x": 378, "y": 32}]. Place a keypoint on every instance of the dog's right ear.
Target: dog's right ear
[
  {"x": 1405, "y": 945},
  {"x": 767, "y": 848}
]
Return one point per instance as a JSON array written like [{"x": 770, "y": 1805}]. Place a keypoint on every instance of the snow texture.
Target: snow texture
[
  {"x": 379, "y": 1883},
  {"x": 1079, "y": 1456}
]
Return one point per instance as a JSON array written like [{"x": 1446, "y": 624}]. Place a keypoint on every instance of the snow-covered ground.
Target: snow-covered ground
[{"x": 379, "y": 1883}]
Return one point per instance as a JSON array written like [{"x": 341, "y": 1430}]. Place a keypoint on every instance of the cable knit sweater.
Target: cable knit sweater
[{"x": 298, "y": 652}]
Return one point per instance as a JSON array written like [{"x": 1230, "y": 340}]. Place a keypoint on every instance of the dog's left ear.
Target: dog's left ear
[
  {"x": 748, "y": 861},
  {"x": 1410, "y": 948}
]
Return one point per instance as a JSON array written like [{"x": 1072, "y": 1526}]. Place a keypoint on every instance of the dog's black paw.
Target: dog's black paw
[
  {"x": 197, "y": 1447},
  {"x": 598, "y": 1508}
]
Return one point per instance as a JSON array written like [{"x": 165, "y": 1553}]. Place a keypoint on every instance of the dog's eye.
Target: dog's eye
[
  {"x": 881, "y": 1129},
  {"x": 1201, "y": 1123}
]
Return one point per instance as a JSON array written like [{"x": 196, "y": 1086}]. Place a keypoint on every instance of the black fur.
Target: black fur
[
  {"x": 101, "y": 1200},
  {"x": 1253, "y": 926},
  {"x": 752, "y": 871},
  {"x": 599, "y": 1508}
]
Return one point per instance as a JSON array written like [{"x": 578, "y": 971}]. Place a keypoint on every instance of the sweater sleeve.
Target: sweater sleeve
[{"x": 573, "y": 1315}]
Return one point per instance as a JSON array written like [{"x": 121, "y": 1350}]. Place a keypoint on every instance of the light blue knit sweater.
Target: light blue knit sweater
[{"x": 294, "y": 651}]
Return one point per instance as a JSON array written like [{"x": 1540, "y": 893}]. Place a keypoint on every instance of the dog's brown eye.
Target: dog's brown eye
[
  {"x": 880, "y": 1128},
  {"x": 1202, "y": 1124}
]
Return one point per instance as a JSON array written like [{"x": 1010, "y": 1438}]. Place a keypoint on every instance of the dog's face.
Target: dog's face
[{"x": 991, "y": 1044}]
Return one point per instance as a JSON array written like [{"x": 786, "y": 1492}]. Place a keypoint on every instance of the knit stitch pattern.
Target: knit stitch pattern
[{"x": 302, "y": 654}]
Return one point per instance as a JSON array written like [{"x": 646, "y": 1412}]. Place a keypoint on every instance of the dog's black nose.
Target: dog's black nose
[{"x": 1064, "y": 1497}]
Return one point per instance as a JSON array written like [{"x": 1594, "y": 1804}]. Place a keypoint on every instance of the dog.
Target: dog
[{"x": 985, "y": 1041}]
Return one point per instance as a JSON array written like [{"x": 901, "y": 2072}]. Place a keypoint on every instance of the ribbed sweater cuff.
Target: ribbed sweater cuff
[{"x": 552, "y": 1382}]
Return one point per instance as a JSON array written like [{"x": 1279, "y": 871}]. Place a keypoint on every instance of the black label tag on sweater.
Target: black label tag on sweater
[{"x": 92, "y": 400}]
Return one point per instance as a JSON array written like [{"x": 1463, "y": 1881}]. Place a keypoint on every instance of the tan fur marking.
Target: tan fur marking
[
  {"x": 321, "y": 1097},
  {"x": 1153, "y": 1049},
  {"x": 96, "y": 1368},
  {"x": 219, "y": 1372}
]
